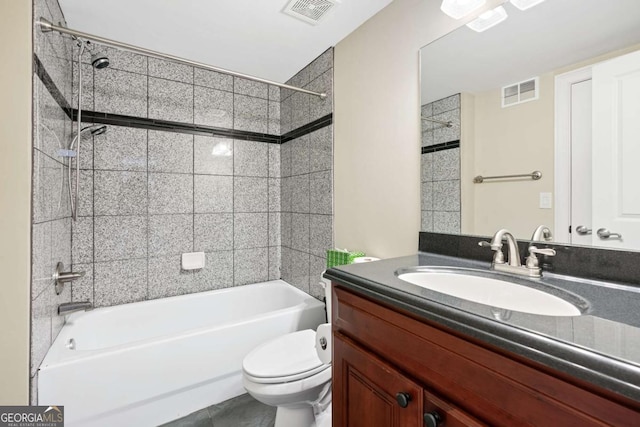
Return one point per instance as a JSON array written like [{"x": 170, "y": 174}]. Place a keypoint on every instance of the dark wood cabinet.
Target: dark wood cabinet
[
  {"x": 451, "y": 380},
  {"x": 378, "y": 395},
  {"x": 445, "y": 414}
]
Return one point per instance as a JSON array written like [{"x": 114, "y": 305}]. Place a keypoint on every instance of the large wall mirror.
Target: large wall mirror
[{"x": 551, "y": 95}]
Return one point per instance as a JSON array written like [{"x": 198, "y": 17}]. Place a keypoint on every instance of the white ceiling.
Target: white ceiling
[
  {"x": 551, "y": 35},
  {"x": 248, "y": 36}
]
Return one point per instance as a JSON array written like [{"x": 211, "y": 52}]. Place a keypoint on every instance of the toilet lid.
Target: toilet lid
[{"x": 288, "y": 357}]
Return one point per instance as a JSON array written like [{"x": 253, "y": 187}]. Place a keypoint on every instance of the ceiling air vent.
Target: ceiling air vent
[
  {"x": 309, "y": 11},
  {"x": 517, "y": 93}
]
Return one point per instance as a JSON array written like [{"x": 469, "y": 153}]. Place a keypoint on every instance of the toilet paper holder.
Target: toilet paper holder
[{"x": 323, "y": 343}]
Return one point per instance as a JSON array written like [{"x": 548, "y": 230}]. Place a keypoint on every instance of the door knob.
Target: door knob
[
  {"x": 403, "y": 399},
  {"x": 603, "y": 233},
  {"x": 432, "y": 419},
  {"x": 582, "y": 230}
]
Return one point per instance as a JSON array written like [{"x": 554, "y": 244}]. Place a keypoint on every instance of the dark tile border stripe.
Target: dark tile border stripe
[
  {"x": 441, "y": 147},
  {"x": 168, "y": 126},
  {"x": 308, "y": 128},
  {"x": 47, "y": 81},
  {"x": 578, "y": 261}
]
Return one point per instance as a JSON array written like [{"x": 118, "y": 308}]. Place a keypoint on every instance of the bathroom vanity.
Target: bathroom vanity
[{"x": 409, "y": 356}]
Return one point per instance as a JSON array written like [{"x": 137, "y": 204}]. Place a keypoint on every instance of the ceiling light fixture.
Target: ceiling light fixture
[
  {"x": 488, "y": 19},
  {"x": 460, "y": 8},
  {"x": 525, "y": 4}
]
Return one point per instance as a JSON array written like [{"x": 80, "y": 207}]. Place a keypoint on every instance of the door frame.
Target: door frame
[{"x": 562, "y": 150}]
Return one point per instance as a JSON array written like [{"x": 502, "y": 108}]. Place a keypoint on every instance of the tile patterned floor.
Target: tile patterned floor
[{"x": 242, "y": 411}]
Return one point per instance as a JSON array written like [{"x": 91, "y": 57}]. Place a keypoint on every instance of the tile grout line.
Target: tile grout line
[
  {"x": 93, "y": 183},
  {"x": 233, "y": 186},
  {"x": 268, "y": 189},
  {"x": 193, "y": 181},
  {"x": 148, "y": 181},
  {"x": 309, "y": 178},
  {"x": 148, "y": 216}
]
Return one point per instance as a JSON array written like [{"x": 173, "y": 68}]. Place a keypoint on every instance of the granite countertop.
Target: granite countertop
[{"x": 602, "y": 346}]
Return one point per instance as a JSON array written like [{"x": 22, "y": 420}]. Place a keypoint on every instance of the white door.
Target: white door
[
  {"x": 581, "y": 112},
  {"x": 616, "y": 152}
]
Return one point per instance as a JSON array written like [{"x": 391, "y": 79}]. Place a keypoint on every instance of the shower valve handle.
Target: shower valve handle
[{"x": 60, "y": 277}]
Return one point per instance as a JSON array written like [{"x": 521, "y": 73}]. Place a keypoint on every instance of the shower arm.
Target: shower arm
[{"x": 47, "y": 26}]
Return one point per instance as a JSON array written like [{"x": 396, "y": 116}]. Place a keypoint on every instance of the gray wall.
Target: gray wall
[
  {"x": 307, "y": 174},
  {"x": 440, "y": 171},
  {"x": 167, "y": 196},
  {"x": 148, "y": 196},
  {"x": 51, "y": 221}
]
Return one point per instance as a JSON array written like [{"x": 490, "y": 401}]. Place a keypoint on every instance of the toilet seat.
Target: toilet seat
[{"x": 291, "y": 357}]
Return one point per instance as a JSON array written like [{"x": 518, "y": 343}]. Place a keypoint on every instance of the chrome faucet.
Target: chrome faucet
[
  {"x": 532, "y": 263},
  {"x": 542, "y": 233},
  {"x": 531, "y": 267},
  {"x": 496, "y": 246},
  {"x": 71, "y": 307}
]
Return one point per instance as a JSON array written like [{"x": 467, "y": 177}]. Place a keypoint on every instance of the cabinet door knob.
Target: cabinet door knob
[
  {"x": 432, "y": 419},
  {"x": 403, "y": 399}
]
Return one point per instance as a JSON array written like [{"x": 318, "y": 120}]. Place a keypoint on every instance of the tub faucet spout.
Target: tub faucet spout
[{"x": 71, "y": 307}]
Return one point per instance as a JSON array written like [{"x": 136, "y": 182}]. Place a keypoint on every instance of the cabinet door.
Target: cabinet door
[
  {"x": 438, "y": 413},
  {"x": 369, "y": 393}
]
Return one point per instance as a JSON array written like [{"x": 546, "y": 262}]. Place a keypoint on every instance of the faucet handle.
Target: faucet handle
[
  {"x": 498, "y": 257},
  {"x": 60, "y": 277},
  {"x": 532, "y": 259},
  {"x": 542, "y": 251}
]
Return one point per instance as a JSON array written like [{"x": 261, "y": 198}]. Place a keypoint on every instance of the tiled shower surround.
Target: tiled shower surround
[
  {"x": 147, "y": 196},
  {"x": 51, "y": 220},
  {"x": 256, "y": 197},
  {"x": 440, "y": 171},
  {"x": 169, "y": 195},
  {"x": 306, "y": 184}
]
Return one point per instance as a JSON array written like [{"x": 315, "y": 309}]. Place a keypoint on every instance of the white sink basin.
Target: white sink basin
[{"x": 492, "y": 292}]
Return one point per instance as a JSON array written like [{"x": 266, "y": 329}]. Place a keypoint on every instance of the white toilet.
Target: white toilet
[{"x": 287, "y": 372}]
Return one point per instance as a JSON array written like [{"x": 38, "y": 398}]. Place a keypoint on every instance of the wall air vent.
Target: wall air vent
[
  {"x": 520, "y": 92},
  {"x": 309, "y": 11}
]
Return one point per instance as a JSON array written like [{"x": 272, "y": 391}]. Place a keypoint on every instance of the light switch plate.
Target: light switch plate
[{"x": 546, "y": 200}]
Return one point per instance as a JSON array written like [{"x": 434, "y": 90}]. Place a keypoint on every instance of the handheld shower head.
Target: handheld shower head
[{"x": 94, "y": 129}]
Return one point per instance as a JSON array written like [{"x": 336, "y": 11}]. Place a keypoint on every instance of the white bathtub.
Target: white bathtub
[{"x": 150, "y": 362}]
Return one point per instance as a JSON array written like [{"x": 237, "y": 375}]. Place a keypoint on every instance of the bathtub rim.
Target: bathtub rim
[{"x": 59, "y": 354}]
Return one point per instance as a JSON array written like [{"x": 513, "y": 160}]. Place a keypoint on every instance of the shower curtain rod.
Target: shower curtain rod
[{"x": 47, "y": 26}]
